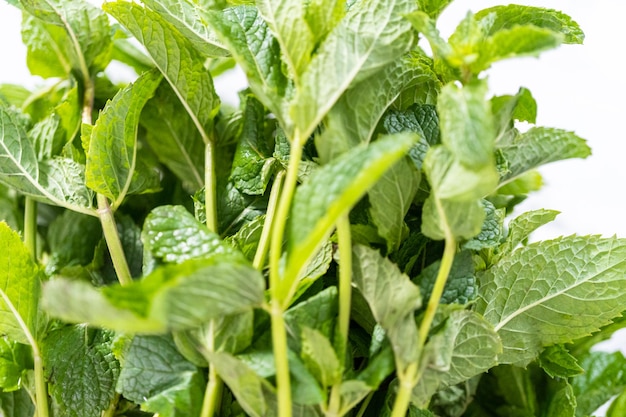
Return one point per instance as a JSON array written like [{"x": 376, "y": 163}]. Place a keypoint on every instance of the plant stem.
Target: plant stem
[
  {"x": 110, "y": 412},
  {"x": 30, "y": 226},
  {"x": 345, "y": 283},
  {"x": 210, "y": 198},
  {"x": 405, "y": 388},
  {"x": 212, "y": 395},
  {"x": 365, "y": 404},
  {"x": 279, "y": 345},
  {"x": 262, "y": 249},
  {"x": 112, "y": 238}
]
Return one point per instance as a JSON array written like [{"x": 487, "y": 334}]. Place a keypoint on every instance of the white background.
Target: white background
[{"x": 579, "y": 88}]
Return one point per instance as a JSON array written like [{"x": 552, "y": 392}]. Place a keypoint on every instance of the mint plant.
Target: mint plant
[{"x": 336, "y": 245}]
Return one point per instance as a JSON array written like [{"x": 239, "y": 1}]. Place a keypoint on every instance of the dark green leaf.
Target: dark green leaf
[
  {"x": 17, "y": 403},
  {"x": 604, "y": 377},
  {"x": 81, "y": 369},
  {"x": 461, "y": 286},
  {"x": 492, "y": 231}
]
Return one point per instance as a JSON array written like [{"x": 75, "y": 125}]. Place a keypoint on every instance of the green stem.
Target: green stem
[
  {"x": 365, "y": 404},
  {"x": 345, "y": 283},
  {"x": 210, "y": 198},
  {"x": 212, "y": 395},
  {"x": 279, "y": 345},
  {"x": 30, "y": 226},
  {"x": 110, "y": 412},
  {"x": 407, "y": 381},
  {"x": 112, "y": 238},
  {"x": 262, "y": 249}
]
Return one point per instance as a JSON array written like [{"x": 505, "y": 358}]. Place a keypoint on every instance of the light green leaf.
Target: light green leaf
[
  {"x": 17, "y": 403},
  {"x": 605, "y": 377},
  {"x": 186, "y": 17},
  {"x": 248, "y": 237},
  {"x": 318, "y": 312},
  {"x": 322, "y": 16},
  {"x": 48, "y": 52},
  {"x": 427, "y": 26},
  {"x": 286, "y": 19},
  {"x": 492, "y": 231},
  {"x": 14, "y": 363},
  {"x": 461, "y": 285},
  {"x": 172, "y": 234},
  {"x": 433, "y": 8},
  {"x": 390, "y": 199},
  {"x": 507, "y": 17},
  {"x": 87, "y": 39},
  {"x": 369, "y": 38},
  {"x": 392, "y": 298},
  {"x": 158, "y": 377},
  {"x": 320, "y": 358},
  {"x": 174, "y": 138},
  {"x": 112, "y": 153},
  {"x": 557, "y": 362},
  {"x": 523, "y": 225},
  {"x": 19, "y": 288},
  {"x": 253, "y": 162},
  {"x": 506, "y": 109},
  {"x": 540, "y": 146},
  {"x": 248, "y": 38},
  {"x": 82, "y": 369},
  {"x": 333, "y": 190},
  {"x": 618, "y": 406},
  {"x": 58, "y": 181},
  {"x": 466, "y": 123},
  {"x": 174, "y": 55},
  {"x": 553, "y": 292},
  {"x": 442, "y": 219},
  {"x": 14, "y": 94}
]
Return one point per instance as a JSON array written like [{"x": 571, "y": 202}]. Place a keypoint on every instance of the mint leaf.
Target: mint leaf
[
  {"x": 460, "y": 219},
  {"x": 392, "y": 298},
  {"x": 433, "y": 8},
  {"x": 335, "y": 188},
  {"x": 557, "y": 362},
  {"x": 506, "y": 17},
  {"x": 112, "y": 151},
  {"x": 492, "y": 231},
  {"x": 605, "y": 377},
  {"x": 320, "y": 358},
  {"x": 176, "y": 296},
  {"x": 461, "y": 286},
  {"x": 59, "y": 181},
  {"x": 539, "y": 146},
  {"x": 573, "y": 288},
  {"x": 19, "y": 288},
  {"x": 523, "y": 225},
  {"x": 87, "y": 33},
  {"x": 48, "y": 52},
  {"x": 390, "y": 199},
  {"x": 174, "y": 55},
  {"x": 286, "y": 20},
  {"x": 15, "y": 360},
  {"x": 17, "y": 403},
  {"x": 158, "y": 377},
  {"x": 172, "y": 234},
  {"x": 174, "y": 138},
  {"x": 367, "y": 39},
  {"x": 186, "y": 17},
  {"x": 81, "y": 369}
]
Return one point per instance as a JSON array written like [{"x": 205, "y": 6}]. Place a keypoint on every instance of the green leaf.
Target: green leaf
[
  {"x": 174, "y": 55},
  {"x": 17, "y": 403},
  {"x": 249, "y": 39},
  {"x": 172, "y": 234},
  {"x": 618, "y": 406},
  {"x": 78, "y": 32},
  {"x": 19, "y": 288},
  {"x": 461, "y": 286},
  {"x": 81, "y": 369},
  {"x": 506, "y": 109},
  {"x": 186, "y": 17},
  {"x": 174, "y": 138},
  {"x": 492, "y": 231},
  {"x": 248, "y": 237},
  {"x": 390, "y": 199},
  {"x": 158, "y": 377},
  {"x": 392, "y": 298},
  {"x": 433, "y": 8},
  {"x": 557, "y": 362},
  {"x": 48, "y": 52},
  {"x": 318, "y": 313},
  {"x": 59, "y": 181},
  {"x": 15, "y": 360},
  {"x": 466, "y": 123},
  {"x": 335, "y": 188},
  {"x": 540, "y": 146},
  {"x": 523, "y": 225},
  {"x": 368, "y": 38},
  {"x": 561, "y": 401},
  {"x": 605, "y": 377},
  {"x": 322, "y": 16},
  {"x": 112, "y": 153},
  {"x": 286, "y": 20},
  {"x": 320, "y": 358},
  {"x": 175, "y": 297},
  {"x": 506, "y": 17},
  {"x": 459, "y": 219},
  {"x": 573, "y": 288},
  {"x": 253, "y": 162}
]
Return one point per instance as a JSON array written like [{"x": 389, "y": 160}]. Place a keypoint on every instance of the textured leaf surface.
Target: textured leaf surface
[
  {"x": 172, "y": 234},
  {"x": 460, "y": 219},
  {"x": 363, "y": 43},
  {"x": 176, "y": 296},
  {"x": 557, "y": 362},
  {"x": 492, "y": 231},
  {"x": 523, "y": 225},
  {"x": 15, "y": 360},
  {"x": 112, "y": 152},
  {"x": 461, "y": 286},
  {"x": 81, "y": 368},
  {"x": 540, "y": 146},
  {"x": 17, "y": 403},
  {"x": 334, "y": 189},
  {"x": 605, "y": 377},
  {"x": 553, "y": 292},
  {"x": 158, "y": 377},
  {"x": 19, "y": 287},
  {"x": 392, "y": 298}
]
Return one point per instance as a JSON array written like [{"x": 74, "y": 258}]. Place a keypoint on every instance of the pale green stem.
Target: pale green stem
[
  {"x": 279, "y": 345},
  {"x": 112, "y": 238},
  {"x": 213, "y": 394},
  {"x": 365, "y": 404},
  {"x": 110, "y": 412},
  {"x": 210, "y": 197},
  {"x": 262, "y": 249},
  {"x": 30, "y": 226},
  {"x": 405, "y": 388}
]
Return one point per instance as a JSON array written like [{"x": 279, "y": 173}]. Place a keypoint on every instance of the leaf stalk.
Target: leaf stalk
[
  {"x": 210, "y": 198},
  {"x": 112, "y": 238},
  {"x": 264, "y": 241},
  {"x": 30, "y": 226}
]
